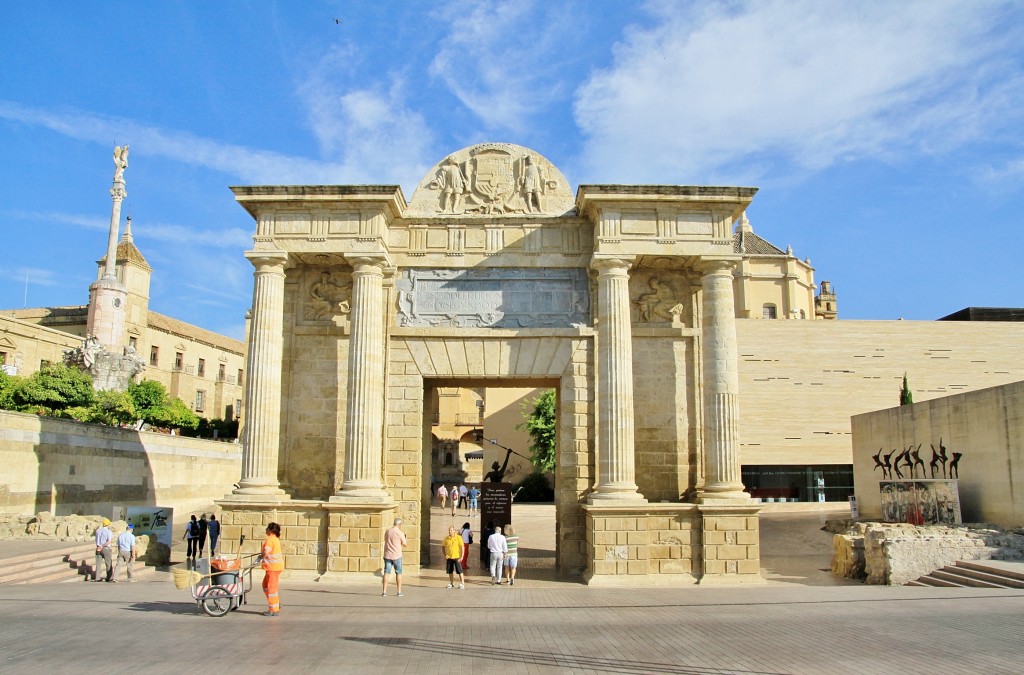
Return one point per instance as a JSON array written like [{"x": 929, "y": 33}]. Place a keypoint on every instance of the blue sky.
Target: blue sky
[{"x": 887, "y": 138}]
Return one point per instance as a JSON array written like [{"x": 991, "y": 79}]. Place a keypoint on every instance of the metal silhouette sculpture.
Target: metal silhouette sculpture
[{"x": 954, "y": 464}]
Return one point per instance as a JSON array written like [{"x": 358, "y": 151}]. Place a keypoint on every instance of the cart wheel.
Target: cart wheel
[{"x": 217, "y": 601}]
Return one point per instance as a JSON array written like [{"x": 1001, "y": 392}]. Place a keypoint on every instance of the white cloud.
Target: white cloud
[
  {"x": 370, "y": 133},
  {"x": 246, "y": 164},
  {"x": 715, "y": 89},
  {"x": 32, "y": 276},
  {"x": 500, "y": 59}
]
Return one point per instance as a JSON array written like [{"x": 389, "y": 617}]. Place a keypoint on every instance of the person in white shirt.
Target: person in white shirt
[
  {"x": 126, "y": 553},
  {"x": 498, "y": 547},
  {"x": 442, "y": 495}
]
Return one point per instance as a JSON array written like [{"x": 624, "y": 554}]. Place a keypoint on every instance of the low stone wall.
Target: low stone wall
[
  {"x": 68, "y": 467},
  {"x": 893, "y": 554},
  {"x": 45, "y": 526}
]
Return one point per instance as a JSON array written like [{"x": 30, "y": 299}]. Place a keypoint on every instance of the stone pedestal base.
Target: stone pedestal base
[
  {"x": 642, "y": 544},
  {"x": 322, "y": 540},
  {"x": 731, "y": 550}
]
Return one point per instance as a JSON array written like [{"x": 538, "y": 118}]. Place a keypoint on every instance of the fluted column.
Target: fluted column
[
  {"x": 721, "y": 386},
  {"x": 616, "y": 456},
  {"x": 261, "y": 436},
  {"x": 364, "y": 432}
]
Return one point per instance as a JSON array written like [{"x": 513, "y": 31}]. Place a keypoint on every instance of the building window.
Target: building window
[
  {"x": 43, "y": 363},
  {"x": 133, "y": 342},
  {"x": 769, "y": 311},
  {"x": 239, "y": 376},
  {"x": 221, "y": 372},
  {"x": 202, "y": 367},
  {"x": 238, "y": 408},
  {"x": 447, "y": 459},
  {"x": 154, "y": 355},
  {"x": 179, "y": 360},
  {"x": 3, "y": 358},
  {"x": 200, "y": 400}
]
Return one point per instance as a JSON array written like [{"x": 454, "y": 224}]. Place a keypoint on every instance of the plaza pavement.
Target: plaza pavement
[{"x": 801, "y": 621}]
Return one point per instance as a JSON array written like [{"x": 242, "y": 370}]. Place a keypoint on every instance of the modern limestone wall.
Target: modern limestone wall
[
  {"x": 801, "y": 381},
  {"x": 987, "y": 426},
  {"x": 69, "y": 467}
]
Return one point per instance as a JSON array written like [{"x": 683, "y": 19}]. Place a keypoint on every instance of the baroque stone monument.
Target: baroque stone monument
[
  {"x": 620, "y": 298},
  {"x": 102, "y": 354}
]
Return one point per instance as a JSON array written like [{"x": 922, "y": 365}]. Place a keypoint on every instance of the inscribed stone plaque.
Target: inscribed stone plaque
[
  {"x": 497, "y": 298},
  {"x": 495, "y": 505}
]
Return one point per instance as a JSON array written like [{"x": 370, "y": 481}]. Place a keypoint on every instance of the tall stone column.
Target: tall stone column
[
  {"x": 107, "y": 295},
  {"x": 261, "y": 436},
  {"x": 721, "y": 386},
  {"x": 616, "y": 455},
  {"x": 364, "y": 431}
]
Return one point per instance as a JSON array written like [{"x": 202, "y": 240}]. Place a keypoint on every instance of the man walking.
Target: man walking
[
  {"x": 394, "y": 541},
  {"x": 474, "y": 497},
  {"x": 192, "y": 538},
  {"x": 103, "y": 553},
  {"x": 126, "y": 553},
  {"x": 442, "y": 495},
  {"x": 463, "y": 496},
  {"x": 453, "y": 547},
  {"x": 498, "y": 547},
  {"x": 214, "y": 529},
  {"x": 203, "y": 526}
]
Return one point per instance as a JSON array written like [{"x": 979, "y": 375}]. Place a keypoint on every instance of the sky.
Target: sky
[{"x": 886, "y": 138}]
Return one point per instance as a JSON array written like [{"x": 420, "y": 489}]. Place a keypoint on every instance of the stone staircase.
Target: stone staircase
[
  {"x": 978, "y": 574},
  {"x": 62, "y": 562}
]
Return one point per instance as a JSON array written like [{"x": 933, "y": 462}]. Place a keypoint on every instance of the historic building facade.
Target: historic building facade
[{"x": 621, "y": 299}]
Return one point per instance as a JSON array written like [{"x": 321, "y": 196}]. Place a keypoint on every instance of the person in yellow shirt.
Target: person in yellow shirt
[
  {"x": 273, "y": 564},
  {"x": 453, "y": 547}
]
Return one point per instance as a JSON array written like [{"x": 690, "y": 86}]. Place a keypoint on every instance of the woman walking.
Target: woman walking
[
  {"x": 512, "y": 557},
  {"x": 273, "y": 564},
  {"x": 467, "y": 539}
]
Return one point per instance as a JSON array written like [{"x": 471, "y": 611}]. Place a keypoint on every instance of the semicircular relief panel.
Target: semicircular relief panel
[{"x": 492, "y": 179}]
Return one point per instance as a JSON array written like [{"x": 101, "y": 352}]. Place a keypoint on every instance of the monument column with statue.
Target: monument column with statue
[
  {"x": 107, "y": 295},
  {"x": 261, "y": 435},
  {"x": 615, "y": 454}
]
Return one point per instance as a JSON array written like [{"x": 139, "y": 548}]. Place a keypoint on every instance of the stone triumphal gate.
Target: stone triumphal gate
[{"x": 621, "y": 299}]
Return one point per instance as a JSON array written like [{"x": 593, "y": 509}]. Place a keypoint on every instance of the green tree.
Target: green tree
[
  {"x": 54, "y": 388},
  {"x": 8, "y": 385},
  {"x": 541, "y": 424},
  {"x": 906, "y": 396},
  {"x": 111, "y": 407},
  {"x": 156, "y": 408}
]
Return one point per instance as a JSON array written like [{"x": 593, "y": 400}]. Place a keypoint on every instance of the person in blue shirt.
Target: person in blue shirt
[
  {"x": 214, "y": 531},
  {"x": 103, "y": 553},
  {"x": 474, "y": 497},
  {"x": 126, "y": 553}
]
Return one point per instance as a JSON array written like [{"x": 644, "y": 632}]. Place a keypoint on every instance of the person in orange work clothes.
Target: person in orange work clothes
[{"x": 273, "y": 564}]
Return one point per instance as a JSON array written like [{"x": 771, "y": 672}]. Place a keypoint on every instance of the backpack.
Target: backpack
[{"x": 193, "y": 529}]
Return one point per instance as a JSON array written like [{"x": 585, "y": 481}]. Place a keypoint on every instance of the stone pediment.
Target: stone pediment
[{"x": 492, "y": 179}]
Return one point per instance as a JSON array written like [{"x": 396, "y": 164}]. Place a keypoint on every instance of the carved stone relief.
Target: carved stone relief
[
  {"x": 498, "y": 298},
  {"x": 493, "y": 179},
  {"x": 328, "y": 297},
  {"x": 659, "y": 299}
]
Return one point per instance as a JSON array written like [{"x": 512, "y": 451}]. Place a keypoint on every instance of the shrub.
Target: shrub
[{"x": 534, "y": 488}]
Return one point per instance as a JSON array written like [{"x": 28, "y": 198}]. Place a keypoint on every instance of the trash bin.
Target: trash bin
[{"x": 225, "y": 570}]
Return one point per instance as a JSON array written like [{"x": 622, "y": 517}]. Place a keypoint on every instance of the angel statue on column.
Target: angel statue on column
[{"x": 120, "y": 161}]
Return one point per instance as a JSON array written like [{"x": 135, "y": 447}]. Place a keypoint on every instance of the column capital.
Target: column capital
[
  {"x": 268, "y": 261},
  {"x": 364, "y": 261},
  {"x": 612, "y": 264},
  {"x": 711, "y": 266}
]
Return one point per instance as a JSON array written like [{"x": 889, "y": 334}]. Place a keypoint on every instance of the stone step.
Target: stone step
[
  {"x": 942, "y": 583},
  {"x": 45, "y": 564},
  {"x": 952, "y": 573},
  {"x": 1009, "y": 575}
]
